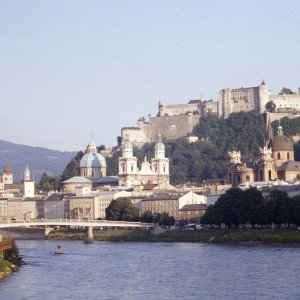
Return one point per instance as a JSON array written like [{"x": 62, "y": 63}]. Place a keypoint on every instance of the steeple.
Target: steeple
[
  {"x": 159, "y": 148},
  {"x": 27, "y": 174},
  {"x": 127, "y": 148},
  {"x": 279, "y": 129}
]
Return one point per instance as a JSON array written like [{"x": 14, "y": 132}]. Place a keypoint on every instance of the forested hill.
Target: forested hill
[
  {"x": 208, "y": 157},
  {"x": 39, "y": 159}
]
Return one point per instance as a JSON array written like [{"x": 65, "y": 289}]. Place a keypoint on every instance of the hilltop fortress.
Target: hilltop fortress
[{"x": 175, "y": 121}]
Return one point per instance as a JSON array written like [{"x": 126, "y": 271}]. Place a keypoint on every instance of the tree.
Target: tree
[
  {"x": 278, "y": 207},
  {"x": 252, "y": 207},
  {"x": 112, "y": 162},
  {"x": 72, "y": 169},
  {"x": 147, "y": 217},
  {"x": 45, "y": 183},
  {"x": 295, "y": 210},
  {"x": 48, "y": 183},
  {"x": 226, "y": 210},
  {"x": 122, "y": 209},
  {"x": 100, "y": 148},
  {"x": 270, "y": 106},
  {"x": 285, "y": 90},
  {"x": 166, "y": 220}
]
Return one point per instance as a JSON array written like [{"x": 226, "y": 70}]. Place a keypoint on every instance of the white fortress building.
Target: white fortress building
[
  {"x": 156, "y": 171},
  {"x": 243, "y": 99},
  {"x": 175, "y": 121},
  {"x": 255, "y": 98}
]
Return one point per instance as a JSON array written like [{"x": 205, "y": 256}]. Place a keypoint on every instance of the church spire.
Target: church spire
[
  {"x": 279, "y": 129},
  {"x": 27, "y": 174}
]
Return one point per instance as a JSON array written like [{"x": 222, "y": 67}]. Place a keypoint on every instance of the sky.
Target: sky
[{"x": 70, "y": 70}]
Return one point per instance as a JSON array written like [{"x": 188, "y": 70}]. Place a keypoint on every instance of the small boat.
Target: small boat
[{"x": 59, "y": 250}]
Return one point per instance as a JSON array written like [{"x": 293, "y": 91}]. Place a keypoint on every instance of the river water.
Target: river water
[{"x": 105, "y": 270}]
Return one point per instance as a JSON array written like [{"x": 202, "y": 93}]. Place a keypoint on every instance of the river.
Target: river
[{"x": 105, "y": 270}]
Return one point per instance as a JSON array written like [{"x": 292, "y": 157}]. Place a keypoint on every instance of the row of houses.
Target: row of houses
[{"x": 91, "y": 204}]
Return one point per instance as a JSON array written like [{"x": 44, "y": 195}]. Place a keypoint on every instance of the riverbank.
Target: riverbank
[
  {"x": 6, "y": 268},
  {"x": 251, "y": 236}
]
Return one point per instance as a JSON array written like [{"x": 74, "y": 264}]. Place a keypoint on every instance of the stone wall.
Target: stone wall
[{"x": 170, "y": 127}]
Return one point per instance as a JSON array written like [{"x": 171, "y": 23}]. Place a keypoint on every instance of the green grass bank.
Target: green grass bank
[{"x": 251, "y": 236}]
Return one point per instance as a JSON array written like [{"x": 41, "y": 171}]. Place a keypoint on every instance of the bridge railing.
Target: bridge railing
[{"x": 62, "y": 221}]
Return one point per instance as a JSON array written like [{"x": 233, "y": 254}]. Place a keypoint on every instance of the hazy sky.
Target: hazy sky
[{"x": 72, "y": 69}]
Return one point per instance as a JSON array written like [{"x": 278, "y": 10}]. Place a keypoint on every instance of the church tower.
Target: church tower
[
  {"x": 266, "y": 165},
  {"x": 7, "y": 175},
  {"x": 160, "y": 164},
  {"x": 127, "y": 164},
  {"x": 28, "y": 184}
]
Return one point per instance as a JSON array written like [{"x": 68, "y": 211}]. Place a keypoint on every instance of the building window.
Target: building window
[
  {"x": 131, "y": 168},
  {"x": 247, "y": 178},
  {"x": 261, "y": 175},
  {"x": 270, "y": 175},
  {"x": 278, "y": 156},
  {"x": 288, "y": 155}
]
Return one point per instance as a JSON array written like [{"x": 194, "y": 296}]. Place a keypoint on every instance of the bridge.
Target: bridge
[{"x": 88, "y": 224}]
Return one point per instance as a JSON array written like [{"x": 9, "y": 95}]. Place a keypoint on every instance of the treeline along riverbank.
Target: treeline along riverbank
[{"x": 255, "y": 236}]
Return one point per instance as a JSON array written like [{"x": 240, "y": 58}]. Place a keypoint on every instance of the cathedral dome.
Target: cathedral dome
[
  {"x": 92, "y": 160},
  {"x": 282, "y": 143}
]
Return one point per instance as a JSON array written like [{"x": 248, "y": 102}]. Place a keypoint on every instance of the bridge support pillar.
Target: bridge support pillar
[
  {"x": 47, "y": 230},
  {"x": 88, "y": 236}
]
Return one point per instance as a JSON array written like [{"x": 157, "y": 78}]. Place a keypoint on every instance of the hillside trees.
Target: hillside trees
[
  {"x": 290, "y": 126},
  {"x": 72, "y": 168},
  {"x": 208, "y": 157},
  {"x": 48, "y": 183},
  {"x": 244, "y": 131},
  {"x": 285, "y": 90},
  {"x": 270, "y": 106}
]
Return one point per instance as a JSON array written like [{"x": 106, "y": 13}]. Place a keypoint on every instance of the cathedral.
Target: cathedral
[
  {"x": 155, "y": 171},
  {"x": 276, "y": 162},
  {"x": 92, "y": 164}
]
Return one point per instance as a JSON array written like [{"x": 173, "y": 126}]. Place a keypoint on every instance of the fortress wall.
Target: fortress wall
[
  {"x": 178, "y": 109},
  {"x": 278, "y": 116},
  {"x": 135, "y": 134},
  {"x": 286, "y": 101},
  {"x": 171, "y": 127}
]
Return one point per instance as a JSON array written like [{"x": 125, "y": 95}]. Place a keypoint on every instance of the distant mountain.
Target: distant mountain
[{"x": 39, "y": 159}]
